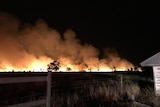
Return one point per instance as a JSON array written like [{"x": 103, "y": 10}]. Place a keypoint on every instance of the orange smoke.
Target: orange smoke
[{"x": 33, "y": 47}]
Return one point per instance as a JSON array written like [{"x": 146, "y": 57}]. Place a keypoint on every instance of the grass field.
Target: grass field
[{"x": 113, "y": 89}]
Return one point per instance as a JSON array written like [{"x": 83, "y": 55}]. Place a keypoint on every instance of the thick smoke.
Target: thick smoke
[{"x": 26, "y": 46}]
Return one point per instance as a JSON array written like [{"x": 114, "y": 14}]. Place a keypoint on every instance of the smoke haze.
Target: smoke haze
[{"x": 32, "y": 47}]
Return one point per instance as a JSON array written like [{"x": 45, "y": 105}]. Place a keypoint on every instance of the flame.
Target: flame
[
  {"x": 35, "y": 65},
  {"x": 32, "y": 48},
  {"x": 41, "y": 65}
]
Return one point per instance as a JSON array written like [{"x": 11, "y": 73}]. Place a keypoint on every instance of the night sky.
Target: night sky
[{"x": 129, "y": 27}]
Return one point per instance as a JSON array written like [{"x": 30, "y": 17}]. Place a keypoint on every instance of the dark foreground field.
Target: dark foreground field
[{"x": 109, "y": 89}]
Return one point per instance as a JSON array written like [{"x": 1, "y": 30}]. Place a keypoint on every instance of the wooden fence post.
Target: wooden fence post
[
  {"x": 121, "y": 84},
  {"x": 49, "y": 81}
]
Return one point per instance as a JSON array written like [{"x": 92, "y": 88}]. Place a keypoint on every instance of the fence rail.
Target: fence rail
[
  {"x": 22, "y": 79},
  {"x": 23, "y": 99},
  {"x": 47, "y": 78},
  {"x": 29, "y": 104}
]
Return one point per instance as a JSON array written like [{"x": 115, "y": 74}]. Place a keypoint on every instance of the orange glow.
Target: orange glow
[
  {"x": 40, "y": 65},
  {"x": 36, "y": 66},
  {"x": 32, "y": 48}
]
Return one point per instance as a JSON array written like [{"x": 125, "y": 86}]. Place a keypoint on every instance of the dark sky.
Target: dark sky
[{"x": 129, "y": 27}]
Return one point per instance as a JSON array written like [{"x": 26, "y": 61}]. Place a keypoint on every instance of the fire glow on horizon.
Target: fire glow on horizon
[{"x": 33, "y": 47}]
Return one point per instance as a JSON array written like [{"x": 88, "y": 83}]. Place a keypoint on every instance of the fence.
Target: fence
[
  {"x": 80, "y": 82},
  {"x": 47, "y": 78}
]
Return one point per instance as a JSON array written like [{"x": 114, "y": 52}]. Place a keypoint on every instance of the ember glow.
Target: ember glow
[{"x": 32, "y": 47}]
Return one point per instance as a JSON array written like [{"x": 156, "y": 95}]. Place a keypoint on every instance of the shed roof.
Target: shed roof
[{"x": 152, "y": 61}]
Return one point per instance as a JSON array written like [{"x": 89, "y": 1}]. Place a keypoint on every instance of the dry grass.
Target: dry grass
[
  {"x": 101, "y": 93},
  {"x": 113, "y": 91},
  {"x": 109, "y": 92},
  {"x": 131, "y": 89},
  {"x": 147, "y": 96}
]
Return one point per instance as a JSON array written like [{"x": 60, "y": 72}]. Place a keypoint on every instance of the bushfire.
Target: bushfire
[{"x": 26, "y": 47}]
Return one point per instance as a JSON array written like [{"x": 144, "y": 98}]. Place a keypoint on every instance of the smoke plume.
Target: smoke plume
[{"x": 32, "y": 47}]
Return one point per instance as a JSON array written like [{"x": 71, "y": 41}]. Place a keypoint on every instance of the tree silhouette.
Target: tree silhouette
[
  {"x": 68, "y": 69},
  {"x": 55, "y": 65},
  {"x": 114, "y": 68}
]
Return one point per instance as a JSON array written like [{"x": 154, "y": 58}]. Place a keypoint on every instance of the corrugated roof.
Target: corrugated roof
[{"x": 152, "y": 61}]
